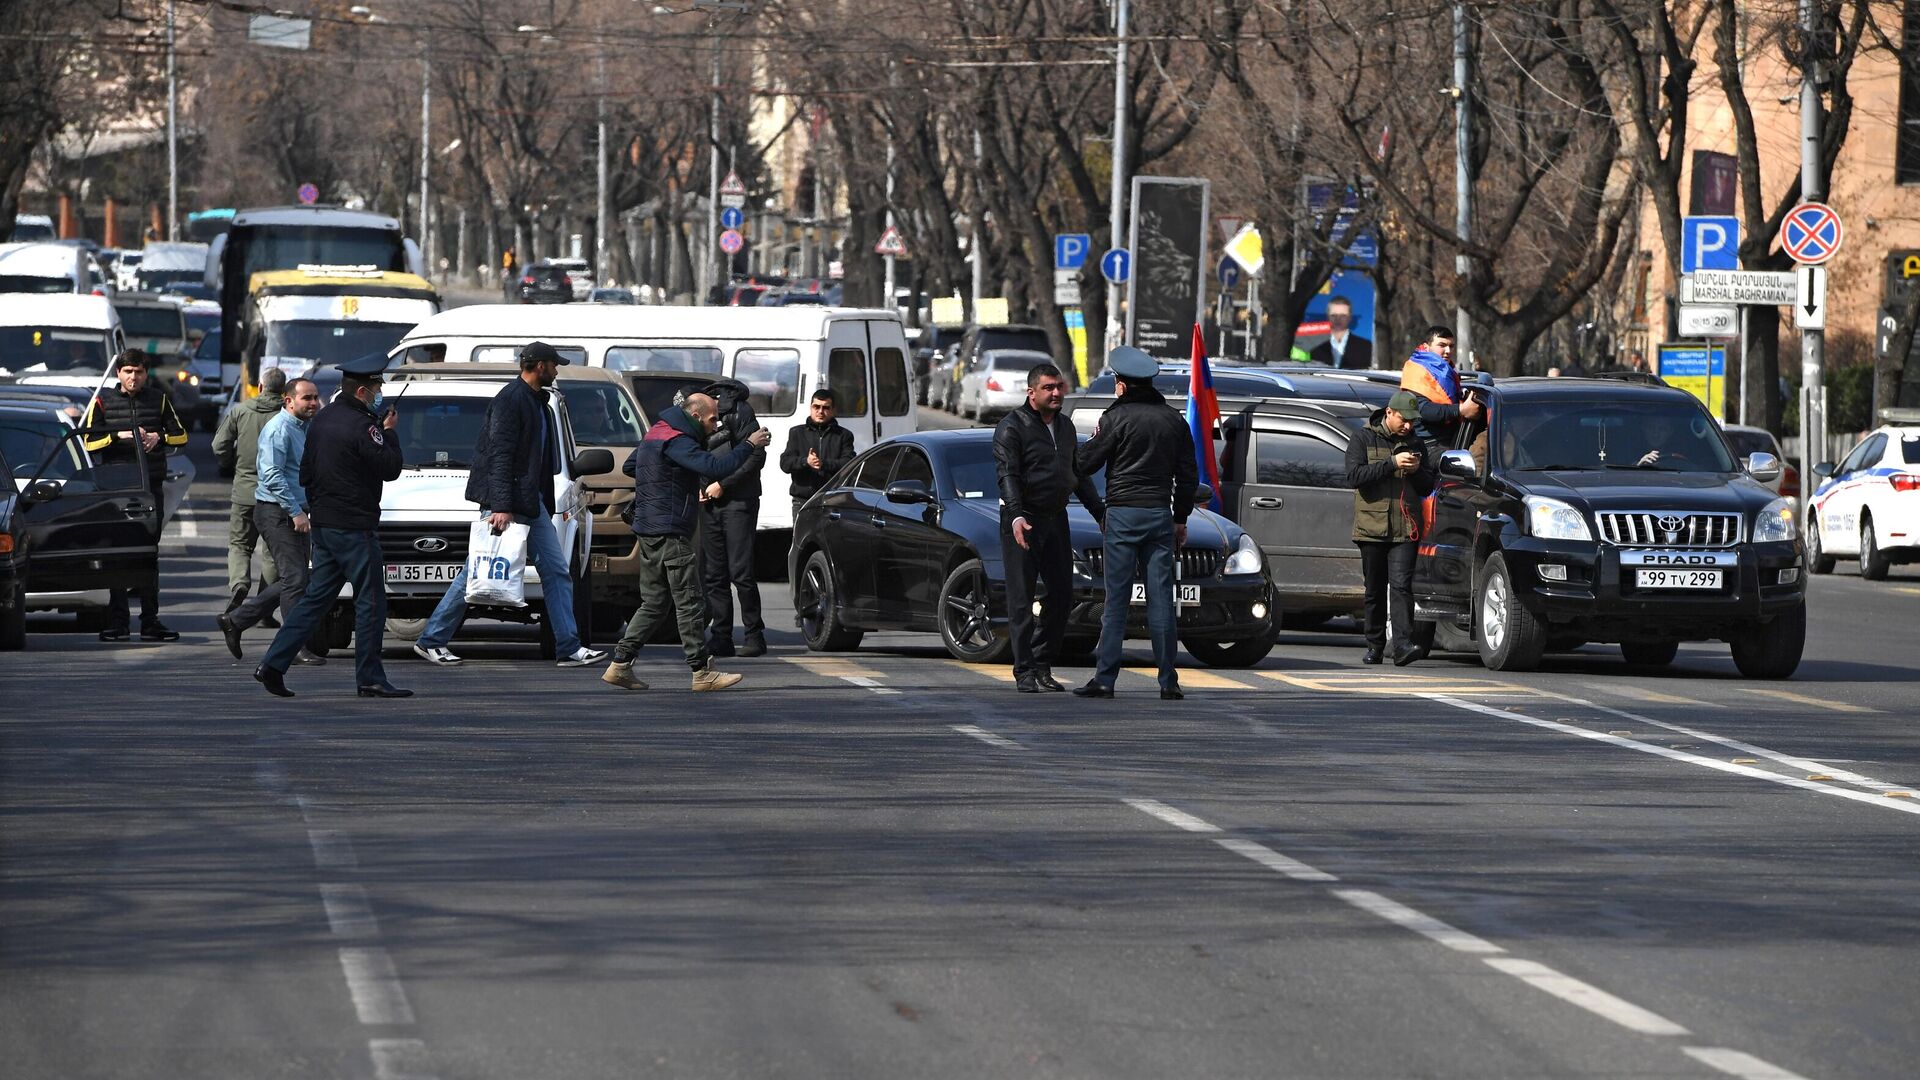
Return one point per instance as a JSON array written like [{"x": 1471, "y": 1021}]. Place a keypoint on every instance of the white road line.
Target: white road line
[
  {"x": 1903, "y": 806},
  {"x": 1736, "y": 1063},
  {"x": 400, "y": 1059},
  {"x": 873, "y": 685},
  {"x": 348, "y": 913},
  {"x": 378, "y": 996},
  {"x": 332, "y": 850},
  {"x": 987, "y": 737},
  {"x": 1273, "y": 860},
  {"x": 1586, "y": 995},
  {"x": 1425, "y": 925},
  {"x": 1179, "y": 819}
]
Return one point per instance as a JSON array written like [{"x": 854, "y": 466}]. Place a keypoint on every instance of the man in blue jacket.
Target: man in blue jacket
[
  {"x": 667, "y": 469},
  {"x": 514, "y": 463}
]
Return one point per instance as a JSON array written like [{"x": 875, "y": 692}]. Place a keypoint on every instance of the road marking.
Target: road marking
[
  {"x": 400, "y": 1059},
  {"x": 1273, "y": 860},
  {"x": 987, "y": 737},
  {"x": 1802, "y": 699},
  {"x": 1736, "y": 1063},
  {"x": 833, "y": 667},
  {"x": 348, "y": 913},
  {"x": 1586, "y": 995},
  {"x": 1179, "y": 819},
  {"x": 332, "y": 850},
  {"x": 378, "y": 997},
  {"x": 1677, "y": 755},
  {"x": 1656, "y": 697},
  {"x": 862, "y": 680},
  {"x": 1192, "y": 679},
  {"x": 1392, "y": 683},
  {"x": 1907, "y": 589},
  {"x": 1425, "y": 925},
  {"x": 996, "y": 672}
]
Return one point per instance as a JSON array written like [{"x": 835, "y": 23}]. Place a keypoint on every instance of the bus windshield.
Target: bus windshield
[
  {"x": 332, "y": 342},
  {"x": 286, "y": 247}
]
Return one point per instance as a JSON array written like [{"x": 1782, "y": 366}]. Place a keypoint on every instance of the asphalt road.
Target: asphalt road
[{"x": 888, "y": 864}]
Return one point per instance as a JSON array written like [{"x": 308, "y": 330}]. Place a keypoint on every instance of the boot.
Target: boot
[
  {"x": 755, "y": 645},
  {"x": 621, "y": 675},
  {"x": 708, "y": 679},
  {"x": 239, "y": 596}
]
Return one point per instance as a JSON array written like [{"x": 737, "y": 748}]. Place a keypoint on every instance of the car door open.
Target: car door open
[{"x": 88, "y": 523}]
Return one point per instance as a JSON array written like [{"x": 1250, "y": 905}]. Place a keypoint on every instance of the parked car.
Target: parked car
[
  {"x": 1558, "y": 524},
  {"x": 929, "y": 352},
  {"x": 907, "y": 537},
  {"x": 545, "y": 284},
  {"x": 610, "y": 295},
  {"x": 579, "y": 275},
  {"x": 158, "y": 328},
  {"x": 45, "y": 268},
  {"x": 1746, "y": 441},
  {"x": 126, "y": 269},
  {"x": 1868, "y": 506},
  {"x": 998, "y": 383}
]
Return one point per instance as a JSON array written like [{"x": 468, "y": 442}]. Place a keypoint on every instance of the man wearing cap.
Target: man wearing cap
[
  {"x": 351, "y": 453},
  {"x": 136, "y": 422},
  {"x": 1147, "y": 450},
  {"x": 1390, "y": 473},
  {"x": 514, "y": 463}
]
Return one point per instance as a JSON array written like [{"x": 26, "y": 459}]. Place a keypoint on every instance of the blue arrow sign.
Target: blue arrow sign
[
  {"x": 1070, "y": 250},
  {"x": 1117, "y": 265},
  {"x": 1228, "y": 272},
  {"x": 732, "y": 217}
]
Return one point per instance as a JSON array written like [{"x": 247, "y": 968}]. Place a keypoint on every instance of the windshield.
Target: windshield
[
  {"x": 162, "y": 322},
  {"x": 600, "y": 413},
  {"x": 1017, "y": 361},
  {"x": 1032, "y": 338},
  {"x": 1561, "y": 434},
  {"x": 332, "y": 342},
  {"x": 285, "y": 247},
  {"x": 440, "y": 431},
  {"x": 209, "y": 347},
  {"x": 22, "y": 283},
  {"x": 27, "y": 440},
  {"x": 52, "y": 348},
  {"x": 1746, "y": 443},
  {"x": 974, "y": 475},
  {"x": 158, "y": 280}
]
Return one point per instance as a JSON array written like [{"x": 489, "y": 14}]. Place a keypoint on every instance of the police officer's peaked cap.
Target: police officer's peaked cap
[
  {"x": 1127, "y": 362},
  {"x": 540, "y": 352},
  {"x": 364, "y": 367}
]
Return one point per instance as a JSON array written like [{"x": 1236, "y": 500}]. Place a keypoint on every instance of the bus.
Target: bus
[
  {"x": 204, "y": 225},
  {"x": 299, "y": 320}
]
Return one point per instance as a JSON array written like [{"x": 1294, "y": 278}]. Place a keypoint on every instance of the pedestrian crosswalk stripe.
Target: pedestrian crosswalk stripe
[
  {"x": 833, "y": 667},
  {"x": 1802, "y": 699},
  {"x": 1391, "y": 682},
  {"x": 1641, "y": 693}
]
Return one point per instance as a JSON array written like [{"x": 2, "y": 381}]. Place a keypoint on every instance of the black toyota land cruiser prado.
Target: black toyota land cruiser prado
[{"x": 1600, "y": 510}]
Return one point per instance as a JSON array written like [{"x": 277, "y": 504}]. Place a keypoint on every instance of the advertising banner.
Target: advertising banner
[{"x": 1166, "y": 291}]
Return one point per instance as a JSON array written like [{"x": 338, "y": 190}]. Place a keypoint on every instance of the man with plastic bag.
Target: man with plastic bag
[
  {"x": 669, "y": 469},
  {"x": 514, "y": 462}
]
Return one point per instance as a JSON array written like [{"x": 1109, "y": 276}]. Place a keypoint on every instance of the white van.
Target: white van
[
  {"x": 782, "y": 354},
  {"x": 64, "y": 340},
  {"x": 45, "y": 268}
]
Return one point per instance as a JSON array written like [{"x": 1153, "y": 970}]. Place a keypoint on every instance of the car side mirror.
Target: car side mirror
[
  {"x": 1763, "y": 467},
  {"x": 590, "y": 462},
  {"x": 909, "y": 491},
  {"x": 1825, "y": 468},
  {"x": 1460, "y": 465},
  {"x": 41, "y": 491}
]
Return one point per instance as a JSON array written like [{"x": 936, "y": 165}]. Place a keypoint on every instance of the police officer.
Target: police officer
[
  {"x": 1147, "y": 450},
  {"x": 136, "y": 422},
  {"x": 351, "y": 452}
]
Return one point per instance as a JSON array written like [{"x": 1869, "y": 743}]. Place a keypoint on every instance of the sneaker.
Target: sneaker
[
  {"x": 755, "y": 645},
  {"x": 708, "y": 679},
  {"x": 621, "y": 675},
  {"x": 157, "y": 631},
  {"x": 114, "y": 633},
  {"x": 438, "y": 655},
  {"x": 582, "y": 657}
]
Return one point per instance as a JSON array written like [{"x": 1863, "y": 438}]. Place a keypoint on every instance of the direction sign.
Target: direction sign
[
  {"x": 1117, "y": 265},
  {"x": 1810, "y": 307},
  {"x": 1709, "y": 320},
  {"x": 1709, "y": 243},
  {"x": 732, "y": 217},
  {"x": 1070, "y": 250},
  {"x": 309, "y": 194},
  {"x": 1811, "y": 233},
  {"x": 1767, "y": 288},
  {"x": 730, "y": 241},
  {"x": 1228, "y": 272},
  {"x": 1246, "y": 250},
  {"x": 890, "y": 243}
]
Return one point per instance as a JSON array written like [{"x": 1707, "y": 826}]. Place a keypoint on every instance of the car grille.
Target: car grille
[
  {"x": 1666, "y": 528},
  {"x": 1195, "y": 563},
  {"x": 397, "y": 543}
]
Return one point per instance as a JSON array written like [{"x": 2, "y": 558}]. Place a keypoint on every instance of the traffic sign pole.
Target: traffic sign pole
[{"x": 1813, "y": 419}]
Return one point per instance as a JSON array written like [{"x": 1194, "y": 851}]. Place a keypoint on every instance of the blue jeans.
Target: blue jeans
[
  {"x": 556, "y": 589},
  {"x": 1135, "y": 535},
  {"x": 340, "y": 556}
]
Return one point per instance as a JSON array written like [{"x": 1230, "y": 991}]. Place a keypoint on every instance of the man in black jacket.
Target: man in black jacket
[
  {"x": 1147, "y": 451},
  {"x": 135, "y": 411},
  {"x": 351, "y": 453},
  {"x": 730, "y": 515},
  {"x": 816, "y": 449},
  {"x": 514, "y": 462},
  {"x": 1033, "y": 448}
]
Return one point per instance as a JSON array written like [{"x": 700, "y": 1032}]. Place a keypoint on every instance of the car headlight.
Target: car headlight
[
  {"x": 1551, "y": 519},
  {"x": 1777, "y": 521},
  {"x": 1246, "y": 557}
]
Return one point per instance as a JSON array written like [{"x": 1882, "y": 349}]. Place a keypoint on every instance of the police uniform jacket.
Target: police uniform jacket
[
  {"x": 349, "y": 456},
  {"x": 1147, "y": 451},
  {"x": 150, "y": 410}
]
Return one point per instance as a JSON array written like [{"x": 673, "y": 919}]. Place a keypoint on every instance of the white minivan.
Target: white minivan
[
  {"x": 782, "y": 354},
  {"x": 46, "y": 268}
]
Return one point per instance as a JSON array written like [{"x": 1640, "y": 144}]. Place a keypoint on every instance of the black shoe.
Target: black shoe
[
  {"x": 231, "y": 633},
  {"x": 1405, "y": 654},
  {"x": 1174, "y": 694},
  {"x": 1092, "y": 689},
  {"x": 720, "y": 646},
  {"x": 384, "y": 690},
  {"x": 270, "y": 621},
  {"x": 1026, "y": 684},
  {"x": 308, "y": 658},
  {"x": 239, "y": 596},
  {"x": 755, "y": 645},
  {"x": 274, "y": 681},
  {"x": 1374, "y": 655},
  {"x": 157, "y": 631},
  {"x": 114, "y": 634},
  {"x": 1048, "y": 683}
]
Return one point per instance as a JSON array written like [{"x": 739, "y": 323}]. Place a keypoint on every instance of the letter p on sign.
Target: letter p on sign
[{"x": 1709, "y": 243}]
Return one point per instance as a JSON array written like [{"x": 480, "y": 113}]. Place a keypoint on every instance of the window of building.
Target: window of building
[{"x": 1906, "y": 166}]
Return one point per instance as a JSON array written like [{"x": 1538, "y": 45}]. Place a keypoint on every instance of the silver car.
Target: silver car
[{"x": 997, "y": 384}]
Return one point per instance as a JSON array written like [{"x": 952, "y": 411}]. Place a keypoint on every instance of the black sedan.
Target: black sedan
[{"x": 907, "y": 537}]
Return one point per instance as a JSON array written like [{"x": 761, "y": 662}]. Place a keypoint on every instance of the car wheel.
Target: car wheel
[
  {"x": 1649, "y": 653},
  {"x": 406, "y": 629},
  {"x": 816, "y": 600},
  {"x": 1231, "y": 654},
  {"x": 1818, "y": 561},
  {"x": 1772, "y": 650},
  {"x": 1448, "y": 637},
  {"x": 966, "y": 617},
  {"x": 1873, "y": 563},
  {"x": 13, "y": 621},
  {"x": 1510, "y": 638}
]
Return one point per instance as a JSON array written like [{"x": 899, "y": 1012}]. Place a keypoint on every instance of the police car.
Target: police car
[{"x": 1868, "y": 506}]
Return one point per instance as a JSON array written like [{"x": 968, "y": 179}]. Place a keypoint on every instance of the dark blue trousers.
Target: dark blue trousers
[{"x": 340, "y": 557}]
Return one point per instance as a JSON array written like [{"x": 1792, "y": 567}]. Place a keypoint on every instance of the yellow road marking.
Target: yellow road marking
[
  {"x": 1908, "y": 589},
  {"x": 997, "y": 672},
  {"x": 1802, "y": 699},
  {"x": 1394, "y": 683},
  {"x": 1640, "y": 693},
  {"x": 833, "y": 667},
  {"x": 1192, "y": 679}
]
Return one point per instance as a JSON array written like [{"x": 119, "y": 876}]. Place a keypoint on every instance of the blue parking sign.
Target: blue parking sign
[
  {"x": 1070, "y": 250},
  {"x": 1709, "y": 243}
]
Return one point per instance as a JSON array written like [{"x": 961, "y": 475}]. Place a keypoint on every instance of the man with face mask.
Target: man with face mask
[
  {"x": 280, "y": 513},
  {"x": 351, "y": 453}
]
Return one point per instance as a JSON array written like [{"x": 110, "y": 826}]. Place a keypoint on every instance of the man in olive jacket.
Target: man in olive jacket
[
  {"x": 236, "y": 444},
  {"x": 1390, "y": 473}
]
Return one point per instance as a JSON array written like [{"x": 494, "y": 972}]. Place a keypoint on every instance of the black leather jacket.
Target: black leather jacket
[
  {"x": 737, "y": 421},
  {"x": 1147, "y": 451},
  {"x": 1036, "y": 467},
  {"x": 512, "y": 468}
]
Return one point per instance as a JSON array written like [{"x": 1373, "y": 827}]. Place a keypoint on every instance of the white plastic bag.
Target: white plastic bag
[{"x": 497, "y": 565}]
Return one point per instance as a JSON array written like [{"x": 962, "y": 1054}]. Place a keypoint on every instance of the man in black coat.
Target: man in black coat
[
  {"x": 816, "y": 449},
  {"x": 730, "y": 517},
  {"x": 1343, "y": 348},
  {"x": 135, "y": 412},
  {"x": 1033, "y": 448}
]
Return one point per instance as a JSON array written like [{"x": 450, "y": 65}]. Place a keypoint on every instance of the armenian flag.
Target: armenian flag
[{"x": 1203, "y": 416}]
